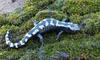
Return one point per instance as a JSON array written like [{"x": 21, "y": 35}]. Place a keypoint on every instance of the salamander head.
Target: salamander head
[
  {"x": 73, "y": 27},
  {"x": 76, "y": 27}
]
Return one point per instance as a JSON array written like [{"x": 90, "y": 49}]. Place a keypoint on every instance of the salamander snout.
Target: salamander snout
[{"x": 74, "y": 27}]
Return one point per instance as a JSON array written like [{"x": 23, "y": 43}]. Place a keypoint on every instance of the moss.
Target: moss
[
  {"x": 75, "y": 48},
  {"x": 26, "y": 26},
  {"x": 29, "y": 55},
  {"x": 3, "y": 20},
  {"x": 92, "y": 23},
  {"x": 3, "y": 29},
  {"x": 46, "y": 13},
  {"x": 13, "y": 18},
  {"x": 81, "y": 7},
  {"x": 76, "y": 18},
  {"x": 97, "y": 36}
]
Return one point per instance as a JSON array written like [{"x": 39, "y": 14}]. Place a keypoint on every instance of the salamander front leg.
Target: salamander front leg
[
  {"x": 59, "y": 34},
  {"x": 35, "y": 22},
  {"x": 66, "y": 20},
  {"x": 40, "y": 37}
]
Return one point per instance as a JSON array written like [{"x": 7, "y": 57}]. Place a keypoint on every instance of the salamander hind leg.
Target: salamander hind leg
[{"x": 40, "y": 38}]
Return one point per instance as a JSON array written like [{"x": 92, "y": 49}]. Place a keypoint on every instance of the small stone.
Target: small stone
[{"x": 64, "y": 55}]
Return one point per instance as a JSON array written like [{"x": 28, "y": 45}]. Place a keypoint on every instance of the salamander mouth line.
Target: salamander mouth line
[{"x": 48, "y": 24}]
